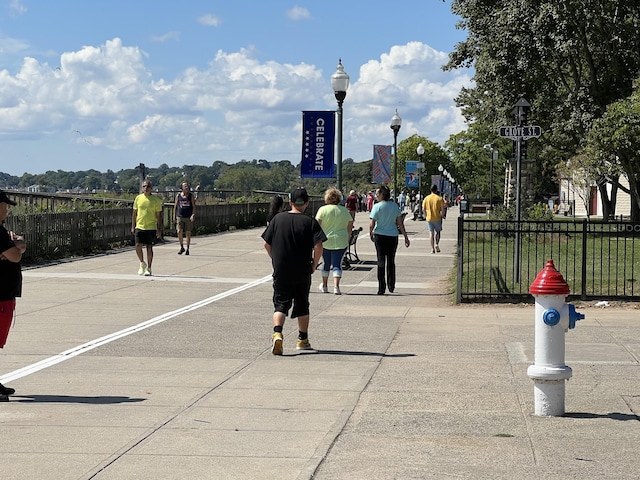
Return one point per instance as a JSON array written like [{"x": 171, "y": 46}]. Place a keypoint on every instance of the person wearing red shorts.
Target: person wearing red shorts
[{"x": 12, "y": 247}]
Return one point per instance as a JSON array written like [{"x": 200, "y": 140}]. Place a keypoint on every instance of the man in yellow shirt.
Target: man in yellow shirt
[
  {"x": 146, "y": 225},
  {"x": 432, "y": 205}
]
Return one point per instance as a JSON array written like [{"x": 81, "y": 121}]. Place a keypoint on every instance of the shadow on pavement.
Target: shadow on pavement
[
  {"x": 72, "y": 399},
  {"x": 347, "y": 352},
  {"x": 623, "y": 417}
]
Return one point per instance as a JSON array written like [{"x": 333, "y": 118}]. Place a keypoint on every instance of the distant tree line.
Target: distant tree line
[{"x": 244, "y": 176}]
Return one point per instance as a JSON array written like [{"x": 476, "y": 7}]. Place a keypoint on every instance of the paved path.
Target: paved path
[{"x": 170, "y": 377}]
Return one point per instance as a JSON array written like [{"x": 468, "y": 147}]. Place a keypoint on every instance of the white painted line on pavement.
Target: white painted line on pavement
[
  {"x": 130, "y": 276},
  {"x": 75, "y": 351}
]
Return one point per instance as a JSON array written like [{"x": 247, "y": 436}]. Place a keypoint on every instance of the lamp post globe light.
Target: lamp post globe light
[
  {"x": 396, "y": 123},
  {"x": 420, "y": 152},
  {"x": 440, "y": 170},
  {"x": 340, "y": 84}
]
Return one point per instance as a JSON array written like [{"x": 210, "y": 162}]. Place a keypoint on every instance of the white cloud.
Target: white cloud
[
  {"x": 12, "y": 46},
  {"x": 166, "y": 37},
  {"x": 410, "y": 78},
  {"x": 209, "y": 20},
  {"x": 298, "y": 13},
  {"x": 238, "y": 107},
  {"x": 17, "y": 7}
]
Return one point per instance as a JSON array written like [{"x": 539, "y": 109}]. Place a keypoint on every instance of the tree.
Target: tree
[
  {"x": 613, "y": 145},
  {"x": 569, "y": 58},
  {"x": 471, "y": 161},
  {"x": 357, "y": 176},
  {"x": 434, "y": 155}
]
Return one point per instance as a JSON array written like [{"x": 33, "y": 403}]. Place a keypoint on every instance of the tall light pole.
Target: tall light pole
[
  {"x": 420, "y": 152},
  {"x": 396, "y": 123},
  {"x": 441, "y": 169},
  {"x": 340, "y": 84}
]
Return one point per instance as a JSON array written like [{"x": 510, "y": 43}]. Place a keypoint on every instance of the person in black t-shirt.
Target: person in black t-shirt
[
  {"x": 12, "y": 247},
  {"x": 294, "y": 243}
]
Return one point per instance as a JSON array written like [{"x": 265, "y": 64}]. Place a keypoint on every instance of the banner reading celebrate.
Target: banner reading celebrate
[{"x": 318, "y": 140}]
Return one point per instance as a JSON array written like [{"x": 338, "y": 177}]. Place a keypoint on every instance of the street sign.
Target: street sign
[{"x": 525, "y": 132}]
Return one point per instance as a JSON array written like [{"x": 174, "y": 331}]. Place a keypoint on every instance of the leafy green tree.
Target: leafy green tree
[
  {"x": 172, "y": 180},
  {"x": 434, "y": 155},
  {"x": 569, "y": 58},
  {"x": 357, "y": 176},
  {"x": 613, "y": 149},
  {"x": 279, "y": 176},
  {"x": 243, "y": 178},
  {"x": 7, "y": 180}
]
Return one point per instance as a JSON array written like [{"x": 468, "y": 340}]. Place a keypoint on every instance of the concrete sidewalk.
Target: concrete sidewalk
[{"x": 171, "y": 377}]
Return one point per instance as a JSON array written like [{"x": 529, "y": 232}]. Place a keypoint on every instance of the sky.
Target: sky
[{"x": 109, "y": 84}]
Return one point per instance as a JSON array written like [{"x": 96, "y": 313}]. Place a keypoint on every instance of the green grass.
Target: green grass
[{"x": 612, "y": 257}]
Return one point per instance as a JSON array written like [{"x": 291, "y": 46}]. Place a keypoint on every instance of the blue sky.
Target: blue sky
[{"x": 109, "y": 84}]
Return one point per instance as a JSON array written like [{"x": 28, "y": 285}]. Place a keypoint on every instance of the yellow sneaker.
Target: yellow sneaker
[
  {"x": 303, "y": 344},
  {"x": 276, "y": 345}
]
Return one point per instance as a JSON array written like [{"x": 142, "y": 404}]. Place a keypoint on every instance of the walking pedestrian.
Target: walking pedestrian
[
  {"x": 294, "y": 243},
  {"x": 402, "y": 200},
  {"x": 337, "y": 223},
  {"x": 445, "y": 206},
  {"x": 185, "y": 213},
  {"x": 384, "y": 224},
  {"x": 146, "y": 225},
  {"x": 370, "y": 201},
  {"x": 351, "y": 203},
  {"x": 12, "y": 247},
  {"x": 275, "y": 207},
  {"x": 433, "y": 206}
]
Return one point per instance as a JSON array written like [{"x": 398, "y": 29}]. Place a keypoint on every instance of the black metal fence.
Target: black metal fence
[{"x": 496, "y": 259}]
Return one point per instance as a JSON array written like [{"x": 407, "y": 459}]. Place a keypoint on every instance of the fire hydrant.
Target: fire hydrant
[{"x": 553, "y": 317}]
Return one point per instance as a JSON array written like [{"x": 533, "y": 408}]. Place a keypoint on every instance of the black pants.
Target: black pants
[{"x": 386, "y": 252}]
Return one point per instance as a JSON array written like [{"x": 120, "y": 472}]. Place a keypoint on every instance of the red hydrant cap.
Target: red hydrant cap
[{"x": 549, "y": 282}]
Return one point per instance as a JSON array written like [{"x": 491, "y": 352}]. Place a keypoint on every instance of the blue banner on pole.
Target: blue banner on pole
[
  {"x": 318, "y": 141},
  {"x": 412, "y": 179}
]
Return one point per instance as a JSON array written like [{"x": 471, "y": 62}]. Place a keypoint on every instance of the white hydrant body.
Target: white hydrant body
[{"x": 553, "y": 318}]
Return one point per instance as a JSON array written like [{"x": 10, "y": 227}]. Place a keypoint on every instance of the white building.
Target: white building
[{"x": 582, "y": 201}]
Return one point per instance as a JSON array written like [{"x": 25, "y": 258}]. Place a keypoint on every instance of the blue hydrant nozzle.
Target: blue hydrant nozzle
[
  {"x": 574, "y": 316},
  {"x": 551, "y": 317}
]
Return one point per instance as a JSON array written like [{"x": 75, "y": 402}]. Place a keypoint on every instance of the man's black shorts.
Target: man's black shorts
[
  {"x": 145, "y": 237},
  {"x": 296, "y": 293}
]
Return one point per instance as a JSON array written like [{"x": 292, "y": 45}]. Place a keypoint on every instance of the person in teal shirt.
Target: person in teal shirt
[
  {"x": 385, "y": 220},
  {"x": 336, "y": 223}
]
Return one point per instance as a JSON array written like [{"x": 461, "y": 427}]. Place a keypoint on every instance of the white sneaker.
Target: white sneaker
[
  {"x": 323, "y": 288},
  {"x": 147, "y": 272},
  {"x": 336, "y": 291},
  {"x": 142, "y": 269}
]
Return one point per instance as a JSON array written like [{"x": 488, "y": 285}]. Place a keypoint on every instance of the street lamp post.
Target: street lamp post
[
  {"x": 340, "y": 84},
  {"x": 420, "y": 152},
  {"x": 396, "y": 123},
  {"x": 441, "y": 169}
]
